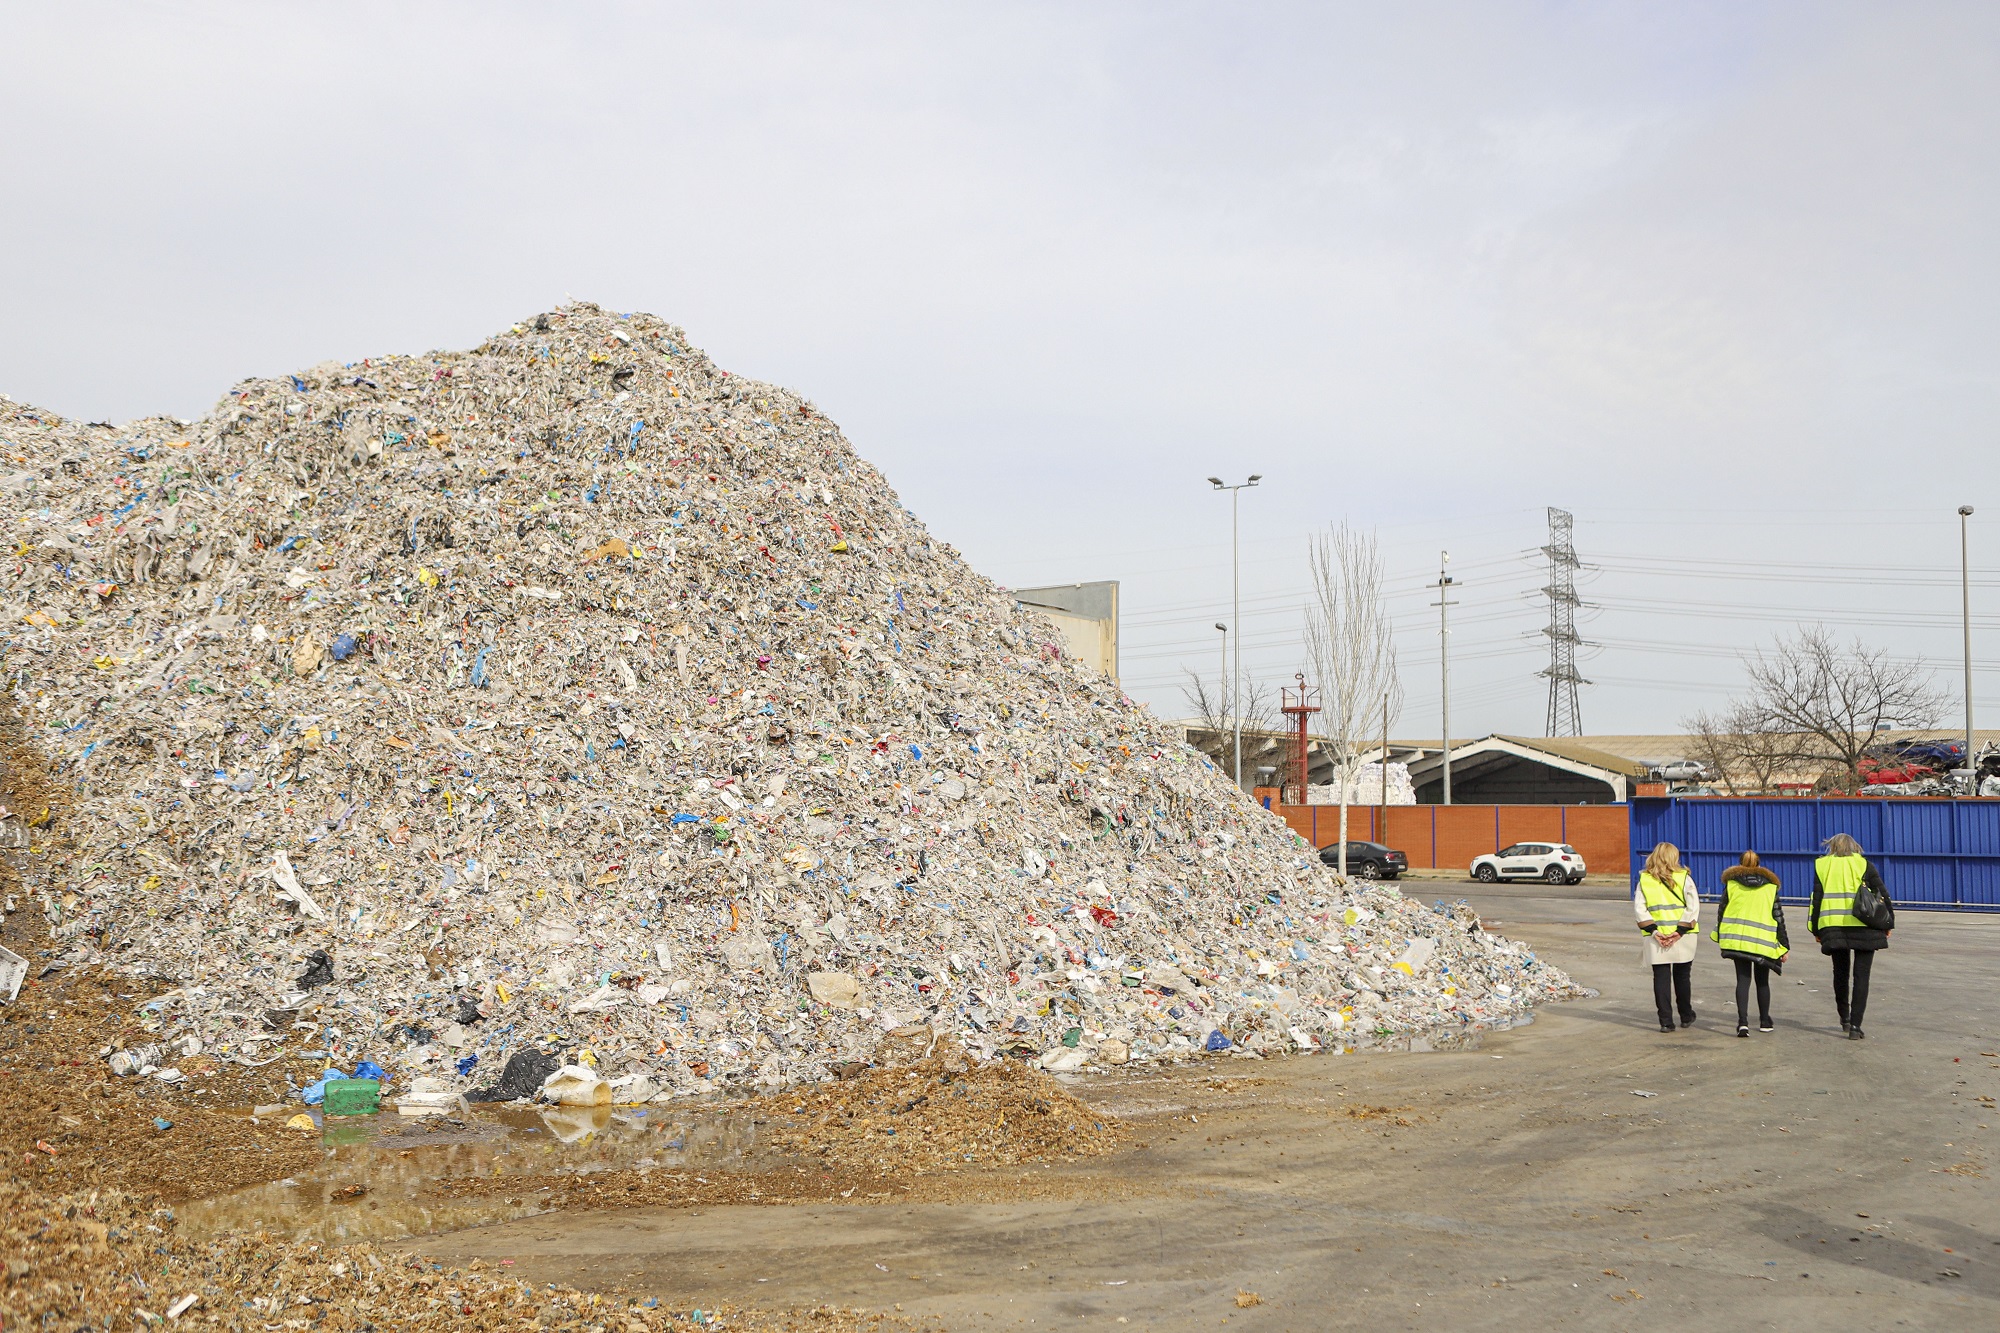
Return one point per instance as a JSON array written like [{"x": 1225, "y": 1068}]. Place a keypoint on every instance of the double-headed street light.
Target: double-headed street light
[{"x": 1235, "y": 618}]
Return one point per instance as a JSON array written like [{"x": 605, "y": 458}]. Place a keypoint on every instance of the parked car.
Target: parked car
[
  {"x": 1680, "y": 770},
  {"x": 1550, "y": 862},
  {"x": 1940, "y": 755},
  {"x": 1367, "y": 860}
]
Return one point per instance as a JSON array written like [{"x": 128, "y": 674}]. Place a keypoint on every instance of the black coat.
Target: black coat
[
  {"x": 1835, "y": 938},
  {"x": 1755, "y": 877}
]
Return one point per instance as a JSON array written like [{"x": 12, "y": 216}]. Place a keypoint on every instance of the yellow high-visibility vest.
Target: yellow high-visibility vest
[
  {"x": 1668, "y": 904},
  {"x": 1749, "y": 920},
  {"x": 1839, "y": 877}
]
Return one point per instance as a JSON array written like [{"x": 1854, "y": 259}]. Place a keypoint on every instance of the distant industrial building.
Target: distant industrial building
[
  {"x": 1522, "y": 770},
  {"x": 1086, "y": 615},
  {"x": 1491, "y": 770}
]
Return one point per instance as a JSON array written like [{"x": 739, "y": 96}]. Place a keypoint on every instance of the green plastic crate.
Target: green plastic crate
[{"x": 353, "y": 1096}]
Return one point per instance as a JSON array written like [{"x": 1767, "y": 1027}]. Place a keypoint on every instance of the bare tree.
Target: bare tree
[
  {"x": 1741, "y": 747},
  {"x": 1352, "y": 651},
  {"x": 1208, "y": 704},
  {"x": 1713, "y": 746},
  {"x": 1207, "y": 701},
  {"x": 1763, "y": 750},
  {"x": 1835, "y": 699}
]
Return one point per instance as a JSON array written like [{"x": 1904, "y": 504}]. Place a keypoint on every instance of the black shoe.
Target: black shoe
[
  {"x": 1666, "y": 1026},
  {"x": 1687, "y": 1020},
  {"x": 1855, "y": 1034},
  {"x": 1742, "y": 1029},
  {"x": 1766, "y": 1025},
  {"x": 1846, "y": 1027}
]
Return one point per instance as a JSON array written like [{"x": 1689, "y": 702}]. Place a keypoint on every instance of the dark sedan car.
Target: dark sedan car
[{"x": 1367, "y": 860}]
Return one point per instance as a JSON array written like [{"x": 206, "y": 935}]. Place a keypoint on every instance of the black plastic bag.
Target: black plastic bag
[
  {"x": 319, "y": 970},
  {"x": 524, "y": 1075}
]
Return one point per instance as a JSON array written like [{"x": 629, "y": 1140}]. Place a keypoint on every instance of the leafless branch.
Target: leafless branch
[
  {"x": 1208, "y": 704},
  {"x": 1743, "y": 750}
]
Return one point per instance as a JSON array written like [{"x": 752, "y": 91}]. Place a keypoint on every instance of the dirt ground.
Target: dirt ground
[{"x": 1785, "y": 1181}]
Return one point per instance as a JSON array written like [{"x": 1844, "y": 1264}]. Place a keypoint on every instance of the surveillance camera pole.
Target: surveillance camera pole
[
  {"x": 1236, "y": 619},
  {"x": 1225, "y": 661},
  {"x": 1965, "y": 611},
  {"x": 1444, "y": 585}
]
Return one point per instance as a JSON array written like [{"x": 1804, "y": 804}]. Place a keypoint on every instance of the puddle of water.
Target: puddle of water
[
  {"x": 1453, "y": 1039},
  {"x": 373, "y": 1184}
]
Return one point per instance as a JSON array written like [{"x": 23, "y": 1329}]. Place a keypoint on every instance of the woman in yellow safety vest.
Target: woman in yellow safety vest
[
  {"x": 1750, "y": 928},
  {"x": 1843, "y": 936},
  {"x": 1669, "y": 912}
]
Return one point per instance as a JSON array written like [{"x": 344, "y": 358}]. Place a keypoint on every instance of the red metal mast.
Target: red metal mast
[{"x": 1299, "y": 704}]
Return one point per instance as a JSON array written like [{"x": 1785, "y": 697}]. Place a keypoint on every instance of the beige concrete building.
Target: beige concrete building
[{"x": 1086, "y": 615}]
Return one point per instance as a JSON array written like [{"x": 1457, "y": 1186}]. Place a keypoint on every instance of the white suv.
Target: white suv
[{"x": 1550, "y": 862}]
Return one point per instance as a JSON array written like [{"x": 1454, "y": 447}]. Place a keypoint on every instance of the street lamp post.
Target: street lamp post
[
  {"x": 1236, "y": 619},
  {"x": 1965, "y": 612}
]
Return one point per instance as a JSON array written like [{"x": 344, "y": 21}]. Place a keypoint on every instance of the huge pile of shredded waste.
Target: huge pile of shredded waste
[{"x": 571, "y": 693}]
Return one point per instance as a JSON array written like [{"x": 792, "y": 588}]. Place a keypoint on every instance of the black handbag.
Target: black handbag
[{"x": 1873, "y": 908}]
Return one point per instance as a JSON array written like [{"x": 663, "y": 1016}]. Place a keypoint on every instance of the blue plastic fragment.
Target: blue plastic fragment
[
  {"x": 343, "y": 647},
  {"x": 1218, "y": 1042},
  {"x": 465, "y": 1066},
  {"x": 315, "y": 1093},
  {"x": 369, "y": 1069},
  {"x": 685, "y": 819}
]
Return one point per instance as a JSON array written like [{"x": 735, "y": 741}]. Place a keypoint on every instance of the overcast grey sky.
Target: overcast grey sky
[{"x": 1720, "y": 278}]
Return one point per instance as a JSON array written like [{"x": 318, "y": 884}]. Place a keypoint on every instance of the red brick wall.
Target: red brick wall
[{"x": 1449, "y": 836}]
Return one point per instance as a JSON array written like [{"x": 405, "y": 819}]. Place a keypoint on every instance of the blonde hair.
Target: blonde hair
[
  {"x": 1664, "y": 864},
  {"x": 1840, "y": 844},
  {"x": 1750, "y": 860}
]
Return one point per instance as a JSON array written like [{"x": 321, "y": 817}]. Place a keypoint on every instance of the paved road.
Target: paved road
[{"x": 1794, "y": 1180}]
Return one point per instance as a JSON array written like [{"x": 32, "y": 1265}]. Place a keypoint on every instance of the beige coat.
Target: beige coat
[{"x": 1682, "y": 950}]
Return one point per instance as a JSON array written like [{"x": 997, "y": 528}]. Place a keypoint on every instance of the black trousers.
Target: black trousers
[
  {"x": 1855, "y": 963},
  {"x": 1744, "y": 968},
  {"x": 1674, "y": 981}
]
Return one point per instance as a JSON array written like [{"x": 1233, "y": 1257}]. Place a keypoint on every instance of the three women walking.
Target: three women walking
[{"x": 1750, "y": 930}]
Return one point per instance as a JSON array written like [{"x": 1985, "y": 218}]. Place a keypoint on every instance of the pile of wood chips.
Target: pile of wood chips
[{"x": 939, "y": 1113}]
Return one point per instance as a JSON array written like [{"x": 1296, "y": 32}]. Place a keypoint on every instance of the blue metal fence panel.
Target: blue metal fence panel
[{"x": 1932, "y": 853}]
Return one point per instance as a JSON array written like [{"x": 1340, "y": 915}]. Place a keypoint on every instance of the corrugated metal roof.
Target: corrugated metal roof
[{"x": 1579, "y": 749}]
